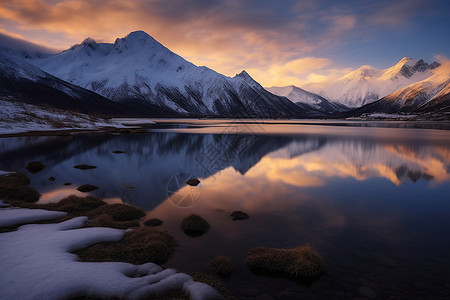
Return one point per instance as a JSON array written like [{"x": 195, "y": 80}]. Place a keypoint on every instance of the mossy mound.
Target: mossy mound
[
  {"x": 84, "y": 167},
  {"x": 105, "y": 220},
  {"x": 67, "y": 183},
  {"x": 118, "y": 212},
  {"x": 193, "y": 181},
  {"x": 138, "y": 246},
  {"x": 15, "y": 179},
  {"x": 222, "y": 265},
  {"x": 212, "y": 282},
  {"x": 75, "y": 205},
  {"x": 34, "y": 167},
  {"x": 13, "y": 187},
  {"x": 298, "y": 263},
  {"x": 153, "y": 222},
  {"x": 238, "y": 215},
  {"x": 87, "y": 188},
  {"x": 51, "y": 178},
  {"x": 194, "y": 225}
]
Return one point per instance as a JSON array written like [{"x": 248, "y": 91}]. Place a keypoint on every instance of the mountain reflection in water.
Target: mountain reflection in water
[{"x": 372, "y": 201}]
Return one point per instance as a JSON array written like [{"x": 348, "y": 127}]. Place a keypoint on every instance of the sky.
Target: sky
[{"x": 277, "y": 42}]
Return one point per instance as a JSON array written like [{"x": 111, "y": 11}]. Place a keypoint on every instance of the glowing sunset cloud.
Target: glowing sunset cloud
[{"x": 279, "y": 43}]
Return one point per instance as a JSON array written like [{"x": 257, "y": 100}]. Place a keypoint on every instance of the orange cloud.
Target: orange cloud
[{"x": 274, "y": 41}]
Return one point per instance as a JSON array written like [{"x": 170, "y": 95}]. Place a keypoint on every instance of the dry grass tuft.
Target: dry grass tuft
[
  {"x": 194, "y": 225},
  {"x": 84, "y": 167},
  {"x": 34, "y": 167},
  {"x": 87, "y": 188},
  {"x": 118, "y": 212},
  {"x": 222, "y": 265},
  {"x": 212, "y": 282},
  {"x": 153, "y": 222},
  {"x": 139, "y": 246},
  {"x": 105, "y": 220},
  {"x": 299, "y": 263},
  {"x": 75, "y": 205},
  {"x": 13, "y": 187}
]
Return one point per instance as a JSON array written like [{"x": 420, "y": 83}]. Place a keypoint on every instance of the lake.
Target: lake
[{"x": 372, "y": 198}]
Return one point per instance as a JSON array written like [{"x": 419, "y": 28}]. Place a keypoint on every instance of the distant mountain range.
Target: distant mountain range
[
  {"x": 367, "y": 84},
  {"x": 138, "y": 76}
]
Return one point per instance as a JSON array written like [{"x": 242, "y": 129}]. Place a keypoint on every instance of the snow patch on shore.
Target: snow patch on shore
[
  {"x": 37, "y": 263},
  {"x": 17, "y": 117}
]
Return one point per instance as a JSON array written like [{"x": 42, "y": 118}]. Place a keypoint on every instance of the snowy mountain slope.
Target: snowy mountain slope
[
  {"x": 367, "y": 84},
  {"x": 298, "y": 95},
  {"x": 431, "y": 94},
  {"x": 24, "y": 82},
  {"x": 138, "y": 69}
]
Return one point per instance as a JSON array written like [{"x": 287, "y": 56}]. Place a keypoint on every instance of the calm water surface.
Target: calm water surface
[{"x": 373, "y": 200}]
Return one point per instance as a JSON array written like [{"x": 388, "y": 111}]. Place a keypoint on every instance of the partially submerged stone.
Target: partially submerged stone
[
  {"x": 192, "y": 182},
  {"x": 239, "y": 215},
  {"x": 34, "y": 167},
  {"x": 87, "y": 188},
  {"x": 84, "y": 167}
]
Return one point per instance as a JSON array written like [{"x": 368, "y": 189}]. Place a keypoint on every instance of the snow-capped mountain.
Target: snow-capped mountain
[
  {"x": 300, "y": 96},
  {"x": 21, "y": 81},
  {"x": 431, "y": 94},
  {"x": 367, "y": 84},
  {"x": 139, "y": 70}
]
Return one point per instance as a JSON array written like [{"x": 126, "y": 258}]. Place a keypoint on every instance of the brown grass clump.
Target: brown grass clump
[
  {"x": 193, "y": 181},
  {"x": 105, "y": 220},
  {"x": 118, "y": 212},
  {"x": 299, "y": 263},
  {"x": 34, "y": 167},
  {"x": 87, "y": 188},
  {"x": 15, "y": 178},
  {"x": 75, "y": 205},
  {"x": 84, "y": 167},
  {"x": 238, "y": 215},
  {"x": 222, "y": 265},
  {"x": 13, "y": 187},
  {"x": 153, "y": 222},
  {"x": 212, "y": 282},
  {"x": 139, "y": 246},
  {"x": 118, "y": 152},
  {"x": 194, "y": 225}
]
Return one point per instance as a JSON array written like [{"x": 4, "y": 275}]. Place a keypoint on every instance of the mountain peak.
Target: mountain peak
[
  {"x": 244, "y": 75},
  {"x": 88, "y": 41},
  {"x": 408, "y": 61},
  {"x": 137, "y": 39},
  {"x": 139, "y": 34}
]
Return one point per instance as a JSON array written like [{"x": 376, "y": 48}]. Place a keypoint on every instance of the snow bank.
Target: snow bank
[
  {"x": 10, "y": 215},
  {"x": 36, "y": 263},
  {"x": 16, "y": 117}
]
